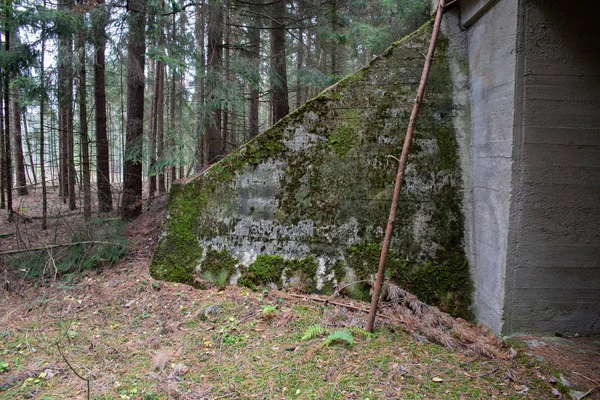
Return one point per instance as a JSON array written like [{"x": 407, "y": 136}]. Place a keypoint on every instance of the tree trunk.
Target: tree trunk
[
  {"x": 172, "y": 100},
  {"x": 83, "y": 128},
  {"x": 7, "y": 151},
  {"x": 102, "y": 156},
  {"x": 160, "y": 127},
  {"x": 278, "y": 62},
  {"x": 42, "y": 138},
  {"x": 254, "y": 101},
  {"x": 28, "y": 142},
  {"x": 18, "y": 151},
  {"x": 300, "y": 60},
  {"x": 215, "y": 55},
  {"x": 199, "y": 82},
  {"x": 152, "y": 131},
  {"x": 132, "y": 172},
  {"x": 3, "y": 177}
]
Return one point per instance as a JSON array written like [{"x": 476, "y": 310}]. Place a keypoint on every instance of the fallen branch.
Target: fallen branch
[
  {"x": 335, "y": 303},
  {"x": 73, "y": 369},
  {"x": 53, "y": 246}
]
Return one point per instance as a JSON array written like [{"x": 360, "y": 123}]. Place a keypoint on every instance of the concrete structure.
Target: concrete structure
[
  {"x": 534, "y": 160},
  {"x": 512, "y": 107}
]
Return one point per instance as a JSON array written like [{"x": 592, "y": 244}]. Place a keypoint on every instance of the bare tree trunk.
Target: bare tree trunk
[
  {"x": 102, "y": 150},
  {"x": 7, "y": 156},
  {"x": 28, "y": 143},
  {"x": 278, "y": 62},
  {"x": 83, "y": 128},
  {"x": 172, "y": 99},
  {"x": 132, "y": 172},
  {"x": 42, "y": 138},
  {"x": 3, "y": 177},
  {"x": 199, "y": 82},
  {"x": 387, "y": 240},
  {"x": 254, "y": 101},
  {"x": 18, "y": 150},
  {"x": 215, "y": 56},
  {"x": 160, "y": 127},
  {"x": 299, "y": 63},
  {"x": 152, "y": 136}
]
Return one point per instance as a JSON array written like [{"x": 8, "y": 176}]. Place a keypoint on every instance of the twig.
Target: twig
[
  {"x": 73, "y": 369},
  {"x": 344, "y": 287},
  {"x": 588, "y": 392},
  {"x": 52, "y": 246},
  {"x": 589, "y": 379},
  {"x": 335, "y": 303}
]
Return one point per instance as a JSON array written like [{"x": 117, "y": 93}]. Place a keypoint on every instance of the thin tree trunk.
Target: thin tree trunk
[
  {"x": 7, "y": 157},
  {"x": 83, "y": 128},
  {"x": 160, "y": 127},
  {"x": 278, "y": 62},
  {"x": 102, "y": 149},
  {"x": 132, "y": 171},
  {"x": 18, "y": 150},
  {"x": 401, "y": 170},
  {"x": 28, "y": 142},
  {"x": 215, "y": 56},
  {"x": 300, "y": 60},
  {"x": 254, "y": 101},
  {"x": 199, "y": 82},
  {"x": 172, "y": 101},
  {"x": 3, "y": 177},
  {"x": 42, "y": 138}
]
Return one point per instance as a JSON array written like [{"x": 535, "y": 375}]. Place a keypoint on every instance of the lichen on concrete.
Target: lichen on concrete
[{"x": 305, "y": 203}]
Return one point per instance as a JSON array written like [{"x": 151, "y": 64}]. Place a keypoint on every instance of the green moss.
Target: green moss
[
  {"x": 265, "y": 270},
  {"x": 218, "y": 266},
  {"x": 446, "y": 284},
  {"x": 268, "y": 269},
  {"x": 177, "y": 254}
]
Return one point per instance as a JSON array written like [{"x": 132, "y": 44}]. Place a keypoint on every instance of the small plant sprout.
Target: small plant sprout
[{"x": 269, "y": 311}]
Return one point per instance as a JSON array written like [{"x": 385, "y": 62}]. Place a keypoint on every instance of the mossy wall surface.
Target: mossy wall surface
[{"x": 306, "y": 202}]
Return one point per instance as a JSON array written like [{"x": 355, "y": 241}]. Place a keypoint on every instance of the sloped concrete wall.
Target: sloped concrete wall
[{"x": 306, "y": 202}]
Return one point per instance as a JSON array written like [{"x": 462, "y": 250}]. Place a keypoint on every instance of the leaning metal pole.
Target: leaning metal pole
[{"x": 402, "y": 168}]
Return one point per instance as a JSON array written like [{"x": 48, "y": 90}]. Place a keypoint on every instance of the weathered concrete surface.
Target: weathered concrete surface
[
  {"x": 492, "y": 64},
  {"x": 306, "y": 202},
  {"x": 553, "y": 278}
]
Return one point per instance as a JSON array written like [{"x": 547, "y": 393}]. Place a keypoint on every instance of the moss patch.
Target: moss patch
[{"x": 218, "y": 267}]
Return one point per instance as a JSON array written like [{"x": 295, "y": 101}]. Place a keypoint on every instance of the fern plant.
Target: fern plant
[
  {"x": 314, "y": 331},
  {"x": 339, "y": 336},
  {"x": 361, "y": 332}
]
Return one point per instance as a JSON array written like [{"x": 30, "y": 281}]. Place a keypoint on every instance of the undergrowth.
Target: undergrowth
[{"x": 98, "y": 244}]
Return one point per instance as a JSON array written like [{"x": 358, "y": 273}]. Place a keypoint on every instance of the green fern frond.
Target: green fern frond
[
  {"x": 314, "y": 331},
  {"x": 361, "y": 332},
  {"x": 341, "y": 336}
]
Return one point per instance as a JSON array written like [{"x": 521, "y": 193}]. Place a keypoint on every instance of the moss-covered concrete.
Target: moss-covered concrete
[{"x": 306, "y": 201}]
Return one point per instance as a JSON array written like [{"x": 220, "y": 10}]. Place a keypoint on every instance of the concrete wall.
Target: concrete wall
[
  {"x": 311, "y": 195},
  {"x": 492, "y": 63},
  {"x": 553, "y": 274}
]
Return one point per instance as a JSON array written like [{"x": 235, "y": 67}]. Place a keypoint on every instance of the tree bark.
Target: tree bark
[
  {"x": 254, "y": 98},
  {"x": 3, "y": 176},
  {"x": 7, "y": 151},
  {"x": 215, "y": 56},
  {"x": 199, "y": 83},
  {"x": 18, "y": 150},
  {"x": 28, "y": 142},
  {"x": 279, "y": 87},
  {"x": 83, "y": 127},
  {"x": 102, "y": 153},
  {"x": 132, "y": 171},
  {"x": 42, "y": 138}
]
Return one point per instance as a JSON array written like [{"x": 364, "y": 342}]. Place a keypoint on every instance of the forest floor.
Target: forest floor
[{"x": 116, "y": 333}]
